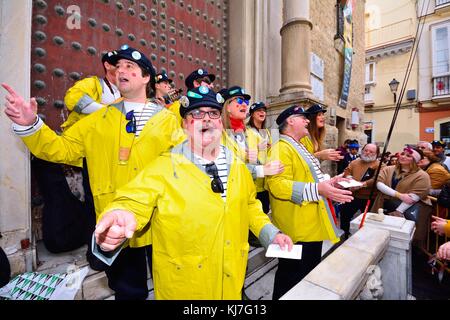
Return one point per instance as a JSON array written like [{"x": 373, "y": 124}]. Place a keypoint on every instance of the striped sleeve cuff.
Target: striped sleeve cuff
[
  {"x": 267, "y": 234},
  {"x": 24, "y": 131},
  {"x": 311, "y": 192}
]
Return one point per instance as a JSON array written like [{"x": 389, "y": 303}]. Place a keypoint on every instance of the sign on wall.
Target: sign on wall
[{"x": 348, "y": 52}]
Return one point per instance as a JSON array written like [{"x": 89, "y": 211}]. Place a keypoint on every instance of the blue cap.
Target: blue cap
[
  {"x": 316, "y": 108},
  {"x": 136, "y": 56},
  {"x": 257, "y": 105},
  {"x": 236, "y": 91},
  {"x": 197, "y": 74},
  {"x": 160, "y": 77},
  {"x": 200, "y": 97},
  {"x": 289, "y": 112}
]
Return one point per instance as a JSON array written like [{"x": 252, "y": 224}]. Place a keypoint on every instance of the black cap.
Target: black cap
[
  {"x": 197, "y": 74},
  {"x": 136, "y": 56},
  {"x": 316, "y": 108},
  {"x": 289, "y": 112},
  {"x": 109, "y": 57},
  {"x": 236, "y": 91},
  {"x": 200, "y": 97},
  {"x": 257, "y": 105},
  {"x": 438, "y": 143},
  {"x": 162, "y": 76}
]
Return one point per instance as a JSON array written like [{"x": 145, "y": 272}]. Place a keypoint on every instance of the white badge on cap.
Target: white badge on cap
[
  {"x": 203, "y": 90},
  {"x": 200, "y": 71},
  {"x": 124, "y": 47},
  {"x": 184, "y": 101},
  {"x": 136, "y": 55},
  {"x": 242, "y": 90},
  {"x": 219, "y": 98}
]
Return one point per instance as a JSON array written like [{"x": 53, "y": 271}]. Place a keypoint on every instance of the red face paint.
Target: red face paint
[
  {"x": 192, "y": 121},
  {"x": 133, "y": 74}
]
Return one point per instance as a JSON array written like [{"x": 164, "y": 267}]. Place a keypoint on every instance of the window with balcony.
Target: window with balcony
[{"x": 441, "y": 60}]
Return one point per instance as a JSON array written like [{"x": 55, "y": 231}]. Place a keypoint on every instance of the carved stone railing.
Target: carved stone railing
[{"x": 374, "y": 263}]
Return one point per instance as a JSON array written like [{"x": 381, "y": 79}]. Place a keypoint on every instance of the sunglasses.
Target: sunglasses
[
  {"x": 240, "y": 100},
  {"x": 199, "y": 114},
  {"x": 216, "y": 183},
  {"x": 131, "y": 124},
  {"x": 205, "y": 80}
]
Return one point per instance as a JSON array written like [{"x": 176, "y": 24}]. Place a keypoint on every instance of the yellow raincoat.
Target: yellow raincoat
[
  {"x": 96, "y": 138},
  {"x": 304, "y": 221},
  {"x": 200, "y": 246},
  {"x": 253, "y": 140},
  {"x": 88, "y": 89}
]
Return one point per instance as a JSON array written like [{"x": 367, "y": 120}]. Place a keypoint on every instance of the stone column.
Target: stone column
[
  {"x": 296, "y": 47},
  {"x": 15, "y": 217},
  {"x": 395, "y": 266}
]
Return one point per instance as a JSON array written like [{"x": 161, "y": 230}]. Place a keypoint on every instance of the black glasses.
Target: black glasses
[
  {"x": 200, "y": 114},
  {"x": 131, "y": 124},
  {"x": 216, "y": 183}
]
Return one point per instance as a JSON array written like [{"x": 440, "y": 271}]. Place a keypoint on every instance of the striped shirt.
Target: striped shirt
[
  {"x": 222, "y": 168},
  {"x": 142, "y": 113},
  {"x": 311, "y": 190}
]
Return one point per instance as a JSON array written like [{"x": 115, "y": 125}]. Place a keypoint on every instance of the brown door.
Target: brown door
[{"x": 69, "y": 38}]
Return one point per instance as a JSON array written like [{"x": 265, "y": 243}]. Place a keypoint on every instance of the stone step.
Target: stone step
[{"x": 258, "y": 282}]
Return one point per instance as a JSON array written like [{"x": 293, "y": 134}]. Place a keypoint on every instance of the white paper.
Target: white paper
[
  {"x": 350, "y": 184},
  {"x": 274, "y": 251}
]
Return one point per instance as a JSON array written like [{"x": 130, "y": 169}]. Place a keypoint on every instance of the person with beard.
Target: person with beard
[
  {"x": 201, "y": 200},
  {"x": 300, "y": 198},
  {"x": 362, "y": 169},
  {"x": 117, "y": 141}
]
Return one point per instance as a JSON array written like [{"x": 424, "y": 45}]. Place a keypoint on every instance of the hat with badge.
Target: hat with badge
[
  {"x": 136, "y": 56},
  {"x": 257, "y": 105},
  {"x": 316, "y": 108},
  {"x": 289, "y": 112},
  {"x": 197, "y": 74},
  {"x": 200, "y": 97},
  {"x": 162, "y": 76},
  {"x": 109, "y": 57},
  {"x": 438, "y": 143},
  {"x": 236, "y": 91}
]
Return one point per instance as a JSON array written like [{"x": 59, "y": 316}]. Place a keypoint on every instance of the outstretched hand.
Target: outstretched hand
[
  {"x": 114, "y": 228},
  {"x": 283, "y": 240},
  {"x": 17, "y": 109}
]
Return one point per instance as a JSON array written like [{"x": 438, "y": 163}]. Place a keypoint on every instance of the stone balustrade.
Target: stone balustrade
[{"x": 344, "y": 274}]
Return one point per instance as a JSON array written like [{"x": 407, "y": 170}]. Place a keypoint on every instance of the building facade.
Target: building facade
[
  {"x": 390, "y": 28},
  {"x": 434, "y": 71}
]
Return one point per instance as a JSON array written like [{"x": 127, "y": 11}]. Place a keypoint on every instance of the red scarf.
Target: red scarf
[{"x": 237, "y": 125}]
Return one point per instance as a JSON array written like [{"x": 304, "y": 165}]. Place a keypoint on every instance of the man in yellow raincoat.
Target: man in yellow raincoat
[
  {"x": 297, "y": 199},
  {"x": 117, "y": 142},
  {"x": 92, "y": 93},
  {"x": 200, "y": 198}
]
